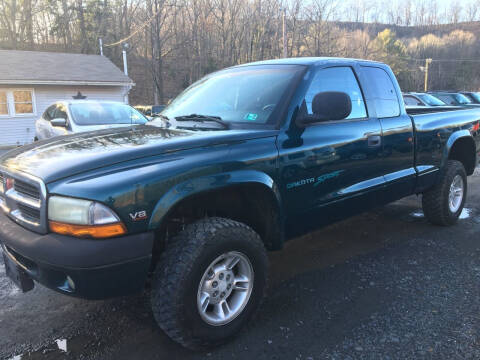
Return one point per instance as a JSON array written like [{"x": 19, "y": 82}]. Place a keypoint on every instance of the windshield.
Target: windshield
[
  {"x": 246, "y": 94},
  {"x": 105, "y": 114},
  {"x": 431, "y": 100},
  {"x": 462, "y": 99}
]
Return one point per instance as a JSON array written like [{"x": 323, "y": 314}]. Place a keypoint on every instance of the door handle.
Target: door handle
[{"x": 374, "y": 141}]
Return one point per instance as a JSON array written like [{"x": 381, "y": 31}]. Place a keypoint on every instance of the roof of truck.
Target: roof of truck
[{"x": 308, "y": 61}]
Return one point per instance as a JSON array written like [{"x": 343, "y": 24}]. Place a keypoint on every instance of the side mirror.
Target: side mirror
[
  {"x": 327, "y": 106},
  {"x": 59, "y": 122}
]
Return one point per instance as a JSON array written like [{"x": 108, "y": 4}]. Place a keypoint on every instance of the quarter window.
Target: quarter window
[
  {"x": 383, "y": 92},
  {"x": 23, "y": 101},
  {"x": 338, "y": 79},
  {"x": 3, "y": 103}
]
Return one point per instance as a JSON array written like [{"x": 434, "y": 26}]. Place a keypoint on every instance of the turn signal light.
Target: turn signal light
[
  {"x": 95, "y": 231},
  {"x": 475, "y": 127}
]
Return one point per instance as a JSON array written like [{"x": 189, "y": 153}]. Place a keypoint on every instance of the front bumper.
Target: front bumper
[{"x": 97, "y": 269}]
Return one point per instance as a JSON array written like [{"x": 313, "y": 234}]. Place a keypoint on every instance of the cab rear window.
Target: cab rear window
[{"x": 383, "y": 92}]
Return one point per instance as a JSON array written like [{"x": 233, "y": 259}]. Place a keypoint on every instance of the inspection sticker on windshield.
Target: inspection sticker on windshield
[{"x": 251, "y": 117}]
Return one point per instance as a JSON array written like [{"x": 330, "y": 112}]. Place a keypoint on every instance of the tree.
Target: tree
[{"x": 391, "y": 51}]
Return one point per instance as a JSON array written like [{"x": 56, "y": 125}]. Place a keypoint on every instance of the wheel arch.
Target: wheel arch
[
  {"x": 248, "y": 196},
  {"x": 461, "y": 147}
]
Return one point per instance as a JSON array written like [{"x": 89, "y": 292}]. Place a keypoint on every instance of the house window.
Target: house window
[
  {"x": 3, "y": 103},
  {"x": 23, "y": 101},
  {"x": 17, "y": 102}
]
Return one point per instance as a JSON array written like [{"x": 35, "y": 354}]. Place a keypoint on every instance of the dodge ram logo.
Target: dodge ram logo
[{"x": 139, "y": 215}]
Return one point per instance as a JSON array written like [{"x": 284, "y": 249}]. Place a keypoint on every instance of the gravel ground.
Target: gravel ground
[{"x": 382, "y": 285}]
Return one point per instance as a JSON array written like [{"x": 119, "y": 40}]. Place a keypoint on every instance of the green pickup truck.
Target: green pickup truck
[{"x": 243, "y": 160}]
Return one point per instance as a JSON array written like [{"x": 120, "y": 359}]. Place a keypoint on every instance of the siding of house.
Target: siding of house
[{"x": 20, "y": 130}]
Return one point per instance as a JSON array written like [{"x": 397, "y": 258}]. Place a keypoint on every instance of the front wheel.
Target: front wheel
[
  {"x": 209, "y": 282},
  {"x": 443, "y": 203}
]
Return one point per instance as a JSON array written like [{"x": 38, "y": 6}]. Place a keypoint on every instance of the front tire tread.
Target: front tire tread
[{"x": 177, "y": 262}]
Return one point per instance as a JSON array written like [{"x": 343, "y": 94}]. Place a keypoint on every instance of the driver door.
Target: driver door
[
  {"x": 42, "y": 125},
  {"x": 331, "y": 169},
  {"x": 60, "y": 113}
]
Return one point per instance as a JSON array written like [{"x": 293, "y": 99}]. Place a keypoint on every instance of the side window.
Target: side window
[
  {"x": 61, "y": 112},
  {"x": 49, "y": 113},
  {"x": 383, "y": 92},
  {"x": 338, "y": 79},
  {"x": 410, "y": 100}
]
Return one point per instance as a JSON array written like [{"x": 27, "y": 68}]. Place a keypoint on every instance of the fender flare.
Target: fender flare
[
  {"x": 453, "y": 138},
  {"x": 195, "y": 186}
]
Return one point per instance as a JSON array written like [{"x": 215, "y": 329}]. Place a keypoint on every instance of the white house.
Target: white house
[{"x": 30, "y": 81}]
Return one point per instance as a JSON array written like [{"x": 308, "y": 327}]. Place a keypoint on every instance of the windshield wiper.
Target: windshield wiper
[{"x": 203, "y": 118}]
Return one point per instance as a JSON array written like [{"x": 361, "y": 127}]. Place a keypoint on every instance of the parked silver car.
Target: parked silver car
[{"x": 73, "y": 116}]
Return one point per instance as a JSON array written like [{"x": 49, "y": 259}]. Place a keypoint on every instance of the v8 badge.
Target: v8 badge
[{"x": 139, "y": 215}]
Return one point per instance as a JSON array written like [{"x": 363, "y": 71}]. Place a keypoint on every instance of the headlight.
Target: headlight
[{"x": 83, "y": 218}]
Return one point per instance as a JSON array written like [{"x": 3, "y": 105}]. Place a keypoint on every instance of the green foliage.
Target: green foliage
[{"x": 391, "y": 51}]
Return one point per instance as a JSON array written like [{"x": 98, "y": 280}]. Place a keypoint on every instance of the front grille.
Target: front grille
[
  {"x": 29, "y": 213},
  {"x": 25, "y": 202},
  {"x": 26, "y": 189}
]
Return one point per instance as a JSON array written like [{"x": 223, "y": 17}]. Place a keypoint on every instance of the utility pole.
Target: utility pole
[
  {"x": 427, "y": 63},
  {"x": 100, "y": 44},
  {"x": 125, "y": 68},
  {"x": 284, "y": 31}
]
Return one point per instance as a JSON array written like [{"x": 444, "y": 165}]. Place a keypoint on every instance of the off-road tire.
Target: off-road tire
[
  {"x": 179, "y": 272},
  {"x": 435, "y": 201}
]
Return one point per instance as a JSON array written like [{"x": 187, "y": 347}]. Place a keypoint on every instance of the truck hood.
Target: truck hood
[
  {"x": 64, "y": 156},
  {"x": 85, "y": 128}
]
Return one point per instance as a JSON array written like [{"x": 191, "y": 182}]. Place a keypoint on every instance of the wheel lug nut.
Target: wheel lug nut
[
  {"x": 220, "y": 276},
  {"x": 215, "y": 284},
  {"x": 222, "y": 295},
  {"x": 215, "y": 294}
]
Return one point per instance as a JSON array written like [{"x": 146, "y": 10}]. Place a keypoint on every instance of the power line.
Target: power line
[
  {"x": 137, "y": 30},
  {"x": 456, "y": 60},
  {"x": 144, "y": 25},
  {"x": 440, "y": 60}
]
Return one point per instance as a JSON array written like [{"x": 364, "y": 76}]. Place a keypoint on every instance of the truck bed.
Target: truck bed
[
  {"x": 415, "y": 110},
  {"x": 433, "y": 130}
]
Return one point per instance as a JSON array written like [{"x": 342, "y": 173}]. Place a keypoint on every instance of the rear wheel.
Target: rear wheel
[
  {"x": 209, "y": 282},
  {"x": 443, "y": 203}
]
